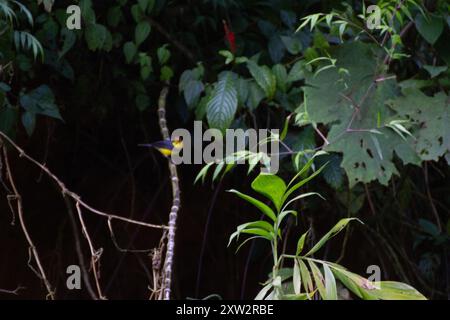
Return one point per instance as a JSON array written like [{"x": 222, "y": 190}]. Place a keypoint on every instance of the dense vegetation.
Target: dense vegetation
[{"x": 363, "y": 110}]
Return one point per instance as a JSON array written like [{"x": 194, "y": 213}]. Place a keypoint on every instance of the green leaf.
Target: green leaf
[
  {"x": 351, "y": 281},
  {"x": 40, "y": 101},
  {"x": 301, "y": 243},
  {"x": 429, "y": 227},
  {"x": 281, "y": 77},
  {"x": 222, "y": 106},
  {"x": 192, "y": 92},
  {"x": 264, "y": 78},
  {"x": 336, "y": 95},
  {"x": 391, "y": 290},
  {"x": 258, "y": 204},
  {"x": 255, "y": 95},
  {"x": 434, "y": 71},
  {"x": 166, "y": 73},
  {"x": 259, "y": 228},
  {"x": 296, "y": 73},
  {"x": 318, "y": 279},
  {"x": 301, "y": 296},
  {"x": 296, "y": 278},
  {"x": 163, "y": 54},
  {"x": 292, "y": 44},
  {"x": 228, "y": 55},
  {"x": 141, "y": 32},
  {"x": 285, "y": 128},
  {"x": 203, "y": 172},
  {"x": 429, "y": 28},
  {"x": 137, "y": 13},
  {"x": 301, "y": 183},
  {"x": 29, "y": 122},
  {"x": 334, "y": 231},
  {"x": 276, "y": 48},
  {"x": 330, "y": 284},
  {"x": 95, "y": 36},
  {"x": 332, "y": 173},
  {"x": 129, "y": 50},
  {"x": 261, "y": 294},
  {"x": 289, "y": 18},
  {"x": 143, "y": 4},
  {"x": 306, "y": 276},
  {"x": 69, "y": 39},
  {"x": 430, "y": 117},
  {"x": 270, "y": 186},
  {"x": 242, "y": 89}
]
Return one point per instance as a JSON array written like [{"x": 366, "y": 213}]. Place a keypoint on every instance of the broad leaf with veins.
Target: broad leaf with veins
[{"x": 333, "y": 97}]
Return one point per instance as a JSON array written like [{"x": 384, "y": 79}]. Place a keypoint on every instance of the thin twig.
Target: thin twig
[
  {"x": 32, "y": 248},
  {"x": 14, "y": 292},
  {"x": 73, "y": 195},
  {"x": 95, "y": 254},
  {"x": 78, "y": 248}
]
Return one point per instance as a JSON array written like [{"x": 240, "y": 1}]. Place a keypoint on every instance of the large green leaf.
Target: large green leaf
[
  {"x": 431, "y": 119},
  {"x": 270, "y": 186},
  {"x": 264, "y": 77},
  {"x": 223, "y": 103},
  {"x": 430, "y": 28},
  {"x": 334, "y": 96}
]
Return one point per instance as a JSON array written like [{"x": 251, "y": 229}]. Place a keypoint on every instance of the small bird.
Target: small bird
[{"x": 166, "y": 147}]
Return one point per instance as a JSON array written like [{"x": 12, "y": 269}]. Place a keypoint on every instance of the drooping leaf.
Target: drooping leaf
[
  {"x": 334, "y": 231},
  {"x": 306, "y": 276},
  {"x": 264, "y": 77},
  {"x": 330, "y": 284},
  {"x": 261, "y": 206},
  {"x": 318, "y": 279},
  {"x": 223, "y": 103}
]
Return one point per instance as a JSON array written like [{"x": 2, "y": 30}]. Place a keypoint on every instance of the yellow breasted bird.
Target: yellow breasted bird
[{"x": 166, "y": 147}]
